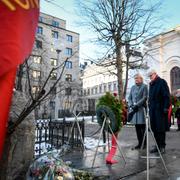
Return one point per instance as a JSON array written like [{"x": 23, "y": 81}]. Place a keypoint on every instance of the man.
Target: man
[
  {"x": 159, "y": 102},
  {"x": 137, "y": 104}
]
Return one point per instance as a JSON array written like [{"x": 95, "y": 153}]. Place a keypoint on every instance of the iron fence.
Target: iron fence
[{"x": 53, "y": 134}]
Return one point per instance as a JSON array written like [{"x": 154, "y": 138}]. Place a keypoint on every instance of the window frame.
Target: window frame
[
  {"x": 53, "y": 34},
  {"x": 38, "y": 44},
  {"x": 53, "y": 60},
  {"x": 53, "y": 77},
  {"x": 69, "y": 51},
  {"x": 38, "y": 74},
  {"x": 68, "y": 91},
  {"x": 38, "y": 31},
  {"x": 55, "y": 23},
  {"x": 69, "y": 64},
  {"x": 68, "y": 79},
  {"x": 69, "y": 38}
]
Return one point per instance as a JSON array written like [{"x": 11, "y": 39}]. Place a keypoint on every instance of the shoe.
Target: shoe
[
  {"x": 144, "y": 147},
  {"x": 162, "y": 150},
  {"x": 155, "y": 150},
  {"x": 136, "y": 147}
]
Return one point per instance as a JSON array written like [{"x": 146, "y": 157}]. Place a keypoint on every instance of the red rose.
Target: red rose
[{"x": 115, "y": 94}]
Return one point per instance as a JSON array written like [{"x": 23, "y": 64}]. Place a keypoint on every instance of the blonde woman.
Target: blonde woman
[{"x": 137, "y": 102}]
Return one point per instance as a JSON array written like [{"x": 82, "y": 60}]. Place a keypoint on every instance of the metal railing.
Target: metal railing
[{"x": 53, "y": 134}]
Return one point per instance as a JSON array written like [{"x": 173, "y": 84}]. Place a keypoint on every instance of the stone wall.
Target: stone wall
[{"x": 19, "y": 149}]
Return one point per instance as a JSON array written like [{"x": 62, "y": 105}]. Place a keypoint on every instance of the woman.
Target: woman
[{"x": 137, "y": 103}]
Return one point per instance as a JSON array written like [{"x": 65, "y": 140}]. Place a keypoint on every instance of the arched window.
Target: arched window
[{"x": 175, "y": 78}]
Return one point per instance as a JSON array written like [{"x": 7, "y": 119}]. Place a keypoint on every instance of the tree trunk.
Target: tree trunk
[
  {"x": 119, "y": 71},
  {"x": 127, "y": 71},
  {"x": 19, "y": 146}
]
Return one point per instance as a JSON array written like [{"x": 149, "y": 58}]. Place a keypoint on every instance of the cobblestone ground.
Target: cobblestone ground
[{"x": 135, "y": 166}]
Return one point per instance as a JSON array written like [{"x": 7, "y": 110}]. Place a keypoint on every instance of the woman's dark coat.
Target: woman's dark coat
[{"x": 159, "y": 102}]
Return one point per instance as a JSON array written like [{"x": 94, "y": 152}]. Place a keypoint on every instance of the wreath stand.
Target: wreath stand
[
  {"x": 146, "y": 135},
  {"x": 106, "y": 123},
  {"x": 76, "y": 121}
]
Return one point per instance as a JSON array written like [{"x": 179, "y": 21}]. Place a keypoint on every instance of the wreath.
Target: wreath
[{"x": 110, "y": 106}]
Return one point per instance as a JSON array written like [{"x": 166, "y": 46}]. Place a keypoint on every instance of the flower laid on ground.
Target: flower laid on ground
[{"x": 49, "y": 167}]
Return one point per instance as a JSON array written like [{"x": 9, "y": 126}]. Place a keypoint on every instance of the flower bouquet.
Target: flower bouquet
[{"x": 49, "y": 167}]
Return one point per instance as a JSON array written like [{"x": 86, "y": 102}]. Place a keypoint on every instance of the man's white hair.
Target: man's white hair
[{"x": 152, "y": 71}]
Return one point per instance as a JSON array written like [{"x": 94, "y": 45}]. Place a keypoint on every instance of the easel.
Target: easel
[
  {"x": 106, "y": 123},
  {"x": 146, "y": 135},
  {"x": 76, "y": 121}
]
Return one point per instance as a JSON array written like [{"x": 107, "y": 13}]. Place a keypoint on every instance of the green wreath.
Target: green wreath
[{"x": 112, "y": 107}]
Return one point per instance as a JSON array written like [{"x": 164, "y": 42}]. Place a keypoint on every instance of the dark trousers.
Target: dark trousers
[
  {"x": 140, "y": 130},
  {"x": 160, "y": 139}
]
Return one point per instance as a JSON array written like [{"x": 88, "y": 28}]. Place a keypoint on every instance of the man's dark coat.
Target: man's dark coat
[{"x": 159, "y": 102}]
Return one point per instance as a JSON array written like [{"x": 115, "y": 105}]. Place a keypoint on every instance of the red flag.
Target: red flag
[{"x": 18, "y": 21}]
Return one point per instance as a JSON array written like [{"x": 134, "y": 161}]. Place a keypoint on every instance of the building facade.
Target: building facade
[
  {"x": 56, "y": 49},
  {"x": 97, "y": 80},
  {"x": 164, "y": 56}
]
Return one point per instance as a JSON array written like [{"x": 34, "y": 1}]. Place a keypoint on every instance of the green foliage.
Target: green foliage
[
  {"x": 175, "y": 102},
  {"x": 114, "y": 104}
]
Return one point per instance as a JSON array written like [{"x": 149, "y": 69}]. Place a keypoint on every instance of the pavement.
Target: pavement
[{"x": 135, "y": 166}]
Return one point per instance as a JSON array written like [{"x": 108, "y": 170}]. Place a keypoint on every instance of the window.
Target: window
[
  {"x": 92, "y": 91},
  {"x": 109, "y": 87},
  {"x": 38, "y": 44},
  {"x": 53, "y": 90},
  {"x": 36, "y": 74},
  {"x": 105, "y": 88},
  {"x": 69, "y": 38},
  {"x": 68, "y": 64},
  {"x": 55, "y": 34},
  {"x": 68, "y": 77},
  {"x": 55, "y": 23},
  {"x": 53, "y": 76},
  {"x": 175, "y": 78},
  {"x": 67, "y": 104},
  {"x": 115, "y": 87},
  {"x": 96, "y": 90},
  {"x": 88, "y": 92},
  {"x": 68, "y": 91},
  {"x": 40, "y": 19},
  {"x": 37, "y": 59},
  {"x": 39, "y": 30},
  {"x": 68, "y": 52},
  {"x": 100, "y": 88},
  {"x": 52, "y": 104},
  {"x": 84, "y": 92},
  {"x": 35, "y": 89},
  {"x": 53, "y": 62}
]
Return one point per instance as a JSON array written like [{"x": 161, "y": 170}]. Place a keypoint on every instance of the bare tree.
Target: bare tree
[
  {"x": 121, "y": 25},
  {"x": 31, "y": 100}
]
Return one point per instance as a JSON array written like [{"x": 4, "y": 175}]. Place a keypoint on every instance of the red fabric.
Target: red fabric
[
  {"x": 6, "y": 86},
  {"x": 112, "y": 152},
  {"x": 169, "y": 114},
  {"x": 18, "y": 21},
  {"x": 17, "y": 29}
]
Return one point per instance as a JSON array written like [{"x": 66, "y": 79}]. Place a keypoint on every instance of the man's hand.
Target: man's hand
[
  {"x": 135, "y": 108},
  {"x": 165, "y": 111}
]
